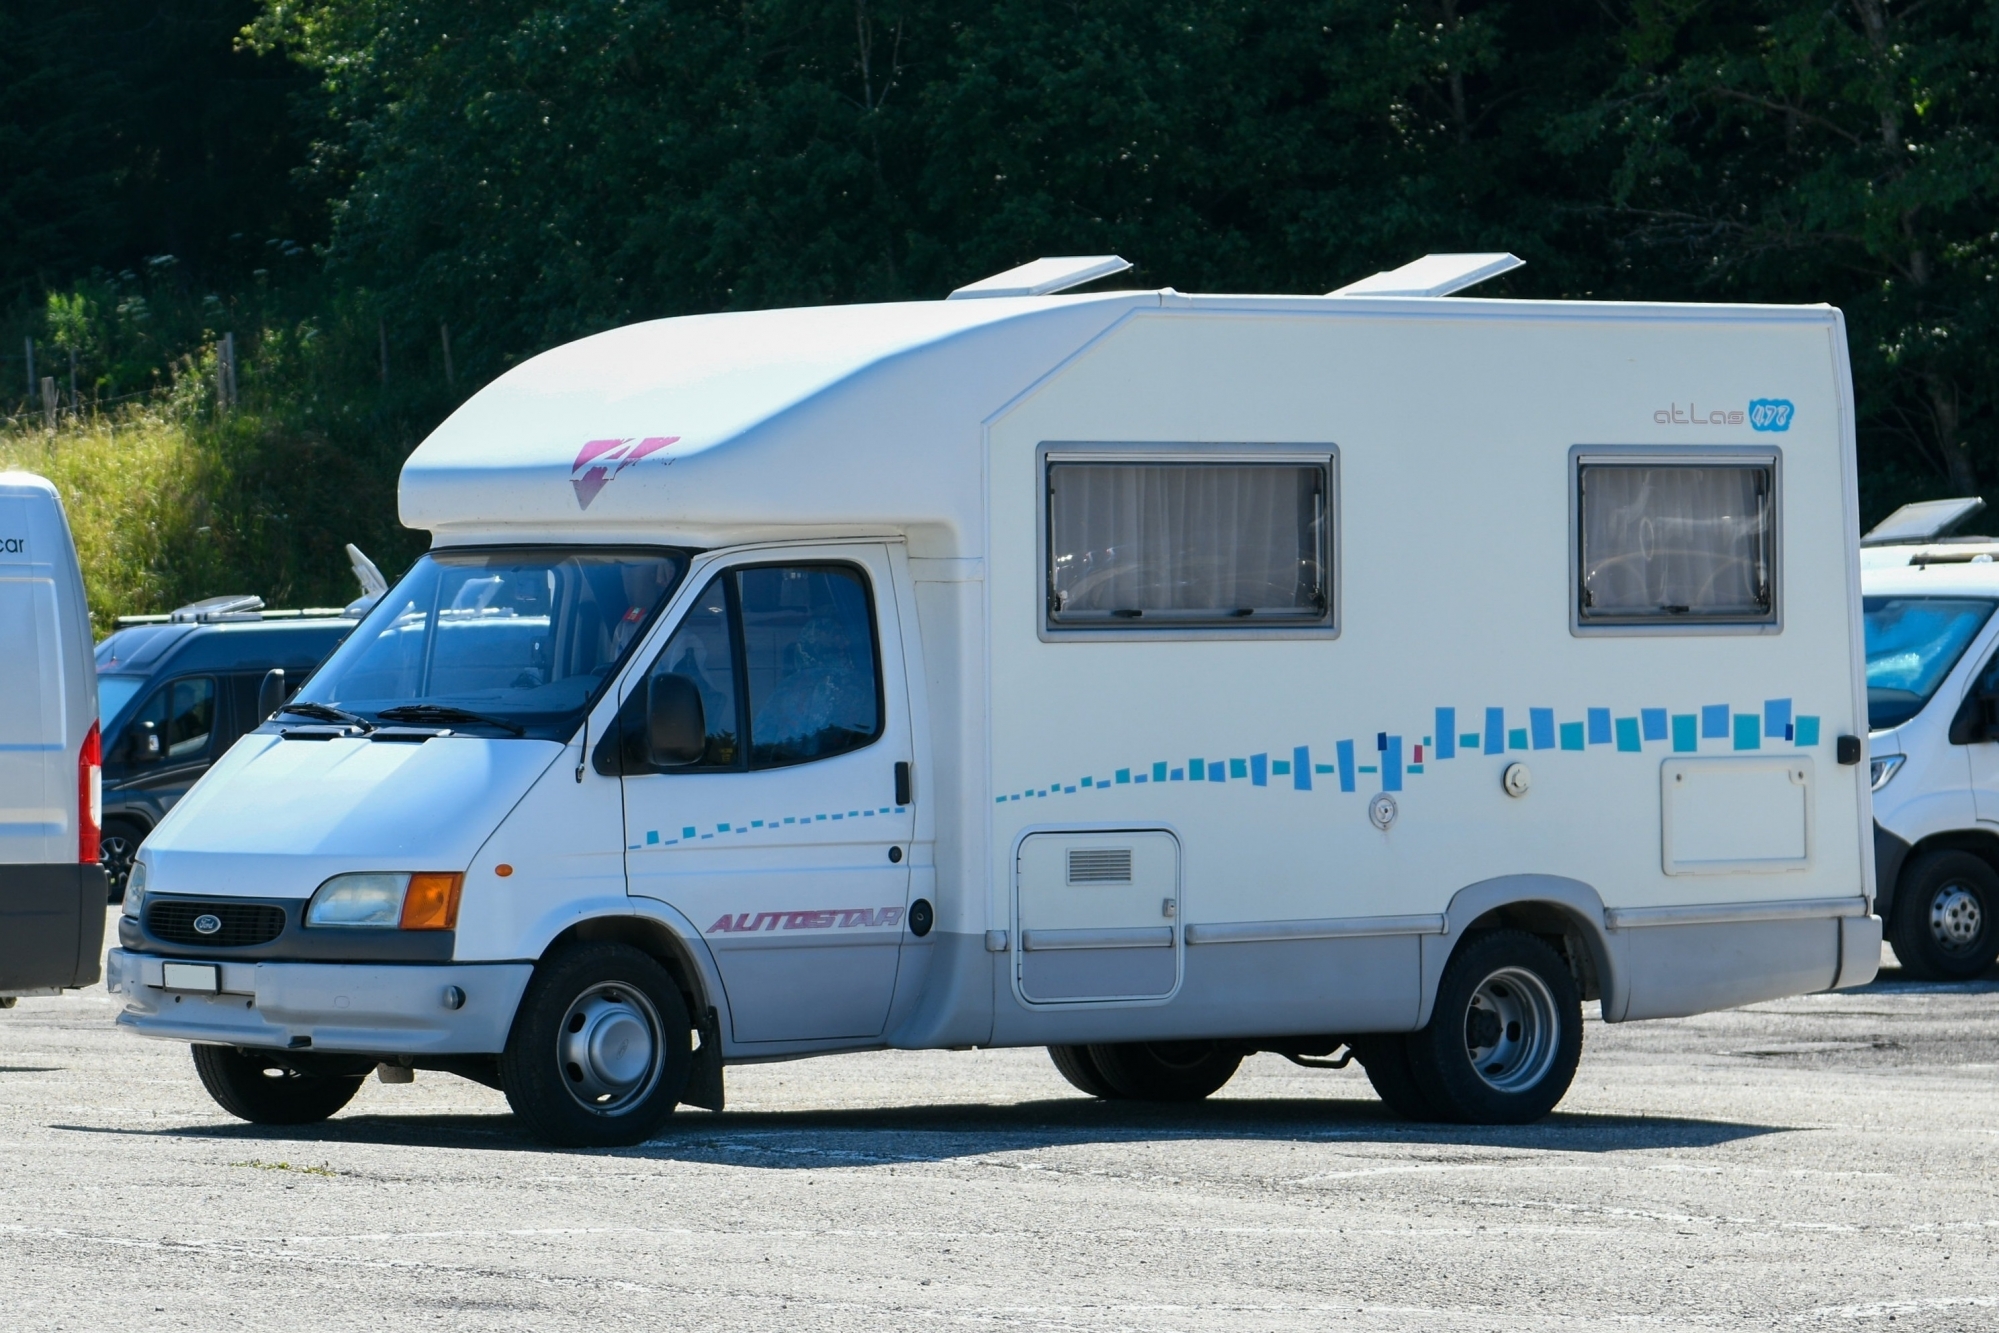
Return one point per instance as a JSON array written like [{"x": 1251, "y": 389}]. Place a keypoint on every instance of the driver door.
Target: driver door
[{"x": 786, "y": 843}]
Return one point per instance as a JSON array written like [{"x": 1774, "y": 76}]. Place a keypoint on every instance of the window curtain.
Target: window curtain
[
  {"x": 1186, "y": 541},
  {"x": 1671, "y": 541}
]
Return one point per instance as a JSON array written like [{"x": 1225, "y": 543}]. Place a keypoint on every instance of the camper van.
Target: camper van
[
  {"x": 51, "y": 890},
  {"x": 1154, "y": 678}
]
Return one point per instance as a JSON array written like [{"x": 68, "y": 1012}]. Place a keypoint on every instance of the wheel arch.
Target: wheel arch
[
  {"x": 659, "y": 932},
  {"x": 1567, "y": 913},
  {"x": 1981, "y": 843}
]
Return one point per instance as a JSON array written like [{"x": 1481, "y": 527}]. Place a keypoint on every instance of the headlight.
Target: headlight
[
  {"x": 135, "y": 889},
  {"x": 387, "y": 901},
  {"x": 1881, "y": 769}
]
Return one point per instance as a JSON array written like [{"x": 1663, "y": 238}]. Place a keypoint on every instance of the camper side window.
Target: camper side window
[
  {"x": 1196, "y": 545},
  {"x": 1676, "y": 543}
]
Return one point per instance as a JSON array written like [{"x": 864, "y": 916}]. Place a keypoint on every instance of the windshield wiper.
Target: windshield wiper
[
  {"x": 327, "y": 713},
  {"x": 445, "y": 713}
]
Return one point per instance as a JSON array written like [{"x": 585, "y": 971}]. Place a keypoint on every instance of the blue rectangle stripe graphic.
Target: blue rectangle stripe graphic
[
  {"x": 1541, "y": 723},
  {"x": 1495, "y": 731},
  {"x": 1259, "y": 770},
  {"x": 1714, "y": 722},
  {"x": 1447, "y": 733},
  {"x": 1627, "y": 734},
  {"x": 1748, "y": 731},
  {"x": 1776, "y": 717},
  {"x": 1345, "y": 749},
  {"x": 1685, "y": 736},
  {"x": 1572, "y": 735},
  {"x": 1301, "y": 768},
  {"x": 1654, "y": 721},
  {"x": 1599, "y": 726},
  {"x": 1391, "y": 765}
]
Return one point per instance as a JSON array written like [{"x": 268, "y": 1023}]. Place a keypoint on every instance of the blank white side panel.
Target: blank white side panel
[
  {"x": 31, "y": 720},
  {"x": 1736, "y": 816}
]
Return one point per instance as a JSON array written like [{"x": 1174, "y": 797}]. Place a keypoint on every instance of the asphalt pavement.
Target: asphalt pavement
[{"x": 1822, "y": 1162}]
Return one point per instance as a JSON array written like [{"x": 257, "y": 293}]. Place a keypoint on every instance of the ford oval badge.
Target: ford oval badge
[{"x": 207, "y": 923}]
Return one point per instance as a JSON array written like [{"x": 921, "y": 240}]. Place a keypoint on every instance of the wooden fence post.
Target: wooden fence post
[
  {"x": 31, "y": 367},
  {"x": 225, "y": 373},
  {"x": 49, "y": 401}
]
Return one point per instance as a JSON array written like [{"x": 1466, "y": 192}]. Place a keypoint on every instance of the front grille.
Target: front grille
[{"x": 243, "y": 924}]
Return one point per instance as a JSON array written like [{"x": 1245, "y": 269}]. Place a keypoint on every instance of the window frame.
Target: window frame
[
  {"x": 1051, "y": 453},
  {"x": 740, "y": 666},
  {"x": 1644, "y": 455}
]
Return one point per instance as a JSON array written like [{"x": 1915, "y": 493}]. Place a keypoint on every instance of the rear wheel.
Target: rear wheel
[
  {"x": 1943, "y": 926},
  {"x": 1385, "y": 1058},
  {"x": 116, "y": 847},
  {"x": 1165, "y": 1071},
  {"x": 260, "y": 1088},
  {"x": 600, "y": 1050},
  {"x": 1505, "y": 1035},
  {"x": 1075, "y": 1064}
]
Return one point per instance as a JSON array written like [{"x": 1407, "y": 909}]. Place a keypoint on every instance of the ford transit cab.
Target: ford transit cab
[{"x": 1154, "y": 678}]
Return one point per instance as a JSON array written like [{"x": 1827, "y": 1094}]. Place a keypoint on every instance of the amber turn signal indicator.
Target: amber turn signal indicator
[
  {"x": 431, "y": 902},
  {"x": 503, "y": 870}
]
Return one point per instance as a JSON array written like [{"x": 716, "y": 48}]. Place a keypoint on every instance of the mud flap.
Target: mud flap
[{"x": 704, "y": 1079}]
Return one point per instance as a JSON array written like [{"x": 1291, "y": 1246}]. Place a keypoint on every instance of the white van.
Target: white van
[
  {"x": 51, "y": 803},
  {"x": 1152, "y": 677},
  {"x": 1933, "y": 705}
]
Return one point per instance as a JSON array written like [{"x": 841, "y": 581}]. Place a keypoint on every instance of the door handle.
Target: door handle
[{"x": 902, "y": 782}]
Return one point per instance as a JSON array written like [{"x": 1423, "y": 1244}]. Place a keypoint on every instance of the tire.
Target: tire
[
  {"x": 1384, "y": 1057},
  {"x": 258, "y": 1089},
  {"x": 1505, "y": 1035},
  {"x": 1165, "y": 1071},
  {"x": 1943, "y": 923},
  {"x": 600, "y": 1050},
  {"x": 116, "y": 847},
  {"x": 1074, "y": 1063}
]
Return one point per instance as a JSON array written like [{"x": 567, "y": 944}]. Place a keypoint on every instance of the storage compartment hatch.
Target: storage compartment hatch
[{"x": 1736, "y": 816}]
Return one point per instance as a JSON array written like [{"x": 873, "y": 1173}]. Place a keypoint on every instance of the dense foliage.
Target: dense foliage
[{"x": 358, "y": 181}]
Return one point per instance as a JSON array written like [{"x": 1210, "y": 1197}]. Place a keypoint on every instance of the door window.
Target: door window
[
  {"x": 784, "y": 657},
  {"x": 176, "y": 723},
  {"x": 809, "y": 655}
]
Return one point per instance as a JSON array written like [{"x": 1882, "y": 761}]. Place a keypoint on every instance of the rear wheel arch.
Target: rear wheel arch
[{"x": 1566, "y": 913}]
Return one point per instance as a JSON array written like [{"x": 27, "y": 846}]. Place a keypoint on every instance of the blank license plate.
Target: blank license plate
[{"x": 193, "y": 976}]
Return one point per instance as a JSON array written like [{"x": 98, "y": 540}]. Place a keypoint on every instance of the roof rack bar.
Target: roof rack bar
[
  {"x": 1044, "y": 277},
  {"x": 1433, "y": 275}
]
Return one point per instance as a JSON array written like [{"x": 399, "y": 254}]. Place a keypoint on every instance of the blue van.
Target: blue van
[{"x": 175, "y": 691}]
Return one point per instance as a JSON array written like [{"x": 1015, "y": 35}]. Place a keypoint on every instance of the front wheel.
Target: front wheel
[
  {"x": 266, "y": 1091},
  {"x": 600, "y": 1050},
  {"x": 1942, "y": 924},
  {"x": 116, "y": 847},
  {"x": 1505, "y": 1035},
  {"x": 1164, "y": 1071}
]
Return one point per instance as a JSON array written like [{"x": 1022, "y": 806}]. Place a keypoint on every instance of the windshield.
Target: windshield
[
  {"x": 1912, "y": 643},
  {"x": 113, "y": 693},
  {"x": 522, "y": 636}
]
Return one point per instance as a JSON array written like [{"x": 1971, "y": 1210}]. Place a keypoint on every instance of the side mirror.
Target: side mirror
[
  {"x": 146, "y": 743},
  {"x": 271, "y": 694},
  {"x": 676, "y": 723}
]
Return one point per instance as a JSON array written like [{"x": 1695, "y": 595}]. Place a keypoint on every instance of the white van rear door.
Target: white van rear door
[
  {"x": 34, "y": 799},
  {"x": 786, "y": 844}
]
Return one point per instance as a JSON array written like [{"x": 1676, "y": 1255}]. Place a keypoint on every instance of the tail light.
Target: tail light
[{"x": 90, "y": 797}]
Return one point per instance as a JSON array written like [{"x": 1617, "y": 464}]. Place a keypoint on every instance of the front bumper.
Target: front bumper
[{"x": 364, "y": 1008}]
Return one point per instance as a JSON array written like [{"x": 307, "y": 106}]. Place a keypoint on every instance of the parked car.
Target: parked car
[
  {"x": 1933, "y": 714},
  {"x": 51, "y": 890},
  {"x": 1151, "y": 677},
  {"x": 175, "y": 691}
]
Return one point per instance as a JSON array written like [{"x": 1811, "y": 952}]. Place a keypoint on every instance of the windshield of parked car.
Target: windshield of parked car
[
  {"x": 497, "y": 641},
  {"x": 113, "y": 693},
  {"x": 1912, "y": 643}
]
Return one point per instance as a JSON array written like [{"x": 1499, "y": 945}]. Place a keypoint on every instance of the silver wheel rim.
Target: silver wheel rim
[
  {"x": 1512, "y": 1030},
  {"x": 608, "y": 1048},
  {"x": 1956, "y": 917}
]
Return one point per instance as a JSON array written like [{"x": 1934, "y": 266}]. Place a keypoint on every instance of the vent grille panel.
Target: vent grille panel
[
  {"x": 243, "y": 924},
  {"x": 1100, "y": 865}
]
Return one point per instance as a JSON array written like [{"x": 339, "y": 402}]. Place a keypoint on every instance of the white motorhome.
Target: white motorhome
[
  {"x": 1933, "y": 710},
  {"x": 1151, "y": 677},
  {"x": 51, "y": 802}
]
